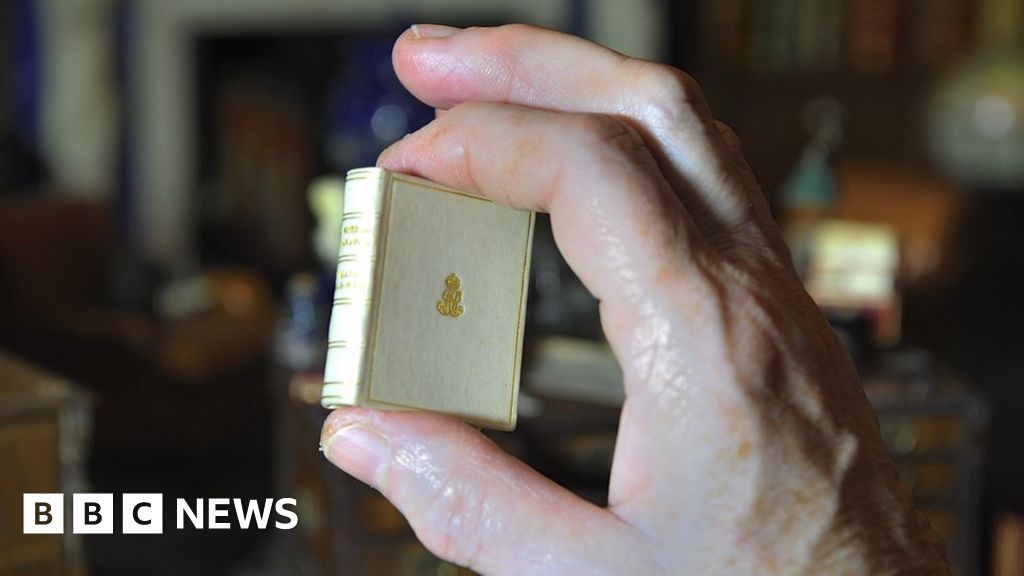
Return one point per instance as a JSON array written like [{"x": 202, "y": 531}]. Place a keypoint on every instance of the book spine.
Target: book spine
[
  {"x": 873, "y": 35},
  {"x": 724, "y": 34},
  {"x": 819, "y": 34},
  {"x": 354, "y": 287},
  {"x": 999, "y": 23},
  {"x": 773, "y": 35},
  {"x": 935, "y": 34}
]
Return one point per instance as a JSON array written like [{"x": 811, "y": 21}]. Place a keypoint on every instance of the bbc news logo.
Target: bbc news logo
[{"x": 144, "y": 513}]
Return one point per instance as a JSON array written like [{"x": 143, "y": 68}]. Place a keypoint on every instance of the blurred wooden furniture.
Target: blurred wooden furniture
[
  {"x": 44, "y": 430},
  {"x": 934, "y": 427},
  {"x": 1008, "y": 546},
  {"x": 922, "y": 209},
  {"x": 149, "y": 373}
]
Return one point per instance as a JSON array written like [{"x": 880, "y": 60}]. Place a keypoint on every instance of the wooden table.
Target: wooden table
[{"x": 44, "y": 427}]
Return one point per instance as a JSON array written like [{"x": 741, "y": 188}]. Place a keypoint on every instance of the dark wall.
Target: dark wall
[{"x": 979, "y": 332}]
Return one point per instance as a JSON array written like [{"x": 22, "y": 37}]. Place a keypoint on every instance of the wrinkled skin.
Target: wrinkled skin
[{"x": 746, "y": 444}]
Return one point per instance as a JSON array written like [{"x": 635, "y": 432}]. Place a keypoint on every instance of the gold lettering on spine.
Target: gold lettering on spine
[
  {"x": 450, "y": 303},
  {"x": 353, "y": 291}
]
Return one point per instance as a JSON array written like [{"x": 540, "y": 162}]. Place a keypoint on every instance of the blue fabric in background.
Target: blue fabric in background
[
  {"x": 579, "y": 18},
  {"x": 124, "y": 192},
  {"x": 26, "y": 69}
]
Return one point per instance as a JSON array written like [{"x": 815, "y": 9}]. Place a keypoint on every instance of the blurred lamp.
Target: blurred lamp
[{"x": 976, "y": 118}]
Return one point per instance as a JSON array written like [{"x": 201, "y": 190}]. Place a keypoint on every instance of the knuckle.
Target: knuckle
[
  {"x": 603, "y": 134},
  {"x": 454, "y": 523},
  {"x": 751, "y": 264},
  {"x": 667, "y": 91},
  {"x": 509, "y": 72},
  {"x": 740, "y": 242},
  {"x": 512, "y": 32},
  {"x": 730, "y": 135}
]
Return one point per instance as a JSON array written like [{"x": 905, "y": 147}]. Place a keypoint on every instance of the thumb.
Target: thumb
[{"x": 469, "y": 502}]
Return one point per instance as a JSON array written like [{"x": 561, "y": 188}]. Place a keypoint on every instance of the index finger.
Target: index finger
[
  {"x": 531, "y": 66},
  {"x": 614, "y": 217}
]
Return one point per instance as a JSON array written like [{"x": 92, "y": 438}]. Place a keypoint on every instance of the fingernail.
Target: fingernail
[
  {"x": 359, "y": 451},
  {"x": 432, "y": 31}
]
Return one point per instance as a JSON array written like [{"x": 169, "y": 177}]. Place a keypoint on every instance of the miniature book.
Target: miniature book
[{"x": 429, "y": 301}]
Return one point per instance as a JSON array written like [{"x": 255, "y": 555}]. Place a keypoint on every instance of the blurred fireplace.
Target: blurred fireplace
[
  {"x": 262, "y": 101},
  {"x": 208, "y": 188}
]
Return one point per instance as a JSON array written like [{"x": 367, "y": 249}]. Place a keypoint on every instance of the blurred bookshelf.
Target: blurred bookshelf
[{"x": 762, "y": 62}]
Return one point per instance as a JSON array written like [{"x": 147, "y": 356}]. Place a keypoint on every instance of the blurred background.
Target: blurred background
[{"x": 170, "y": 184}]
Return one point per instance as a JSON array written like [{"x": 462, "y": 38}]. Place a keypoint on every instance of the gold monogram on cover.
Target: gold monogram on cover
[
  {"x": 450, "y": 303},
  {"x": 429, "y": 301}
]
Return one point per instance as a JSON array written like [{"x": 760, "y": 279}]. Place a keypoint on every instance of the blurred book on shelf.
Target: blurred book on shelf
[
  {"x": 874, "y": 35},
  {"x": 943, "y": 31},
  {"x": 724, "y": 34},
  {"x": 870, "y": 37},
  {"x": 819, "y": 32}
]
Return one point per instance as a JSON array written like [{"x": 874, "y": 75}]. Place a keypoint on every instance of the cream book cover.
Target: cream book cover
[{"x": 429, "y": 302}]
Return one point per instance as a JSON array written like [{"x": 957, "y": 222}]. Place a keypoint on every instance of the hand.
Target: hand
[{"x": 746, "y": 443}]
